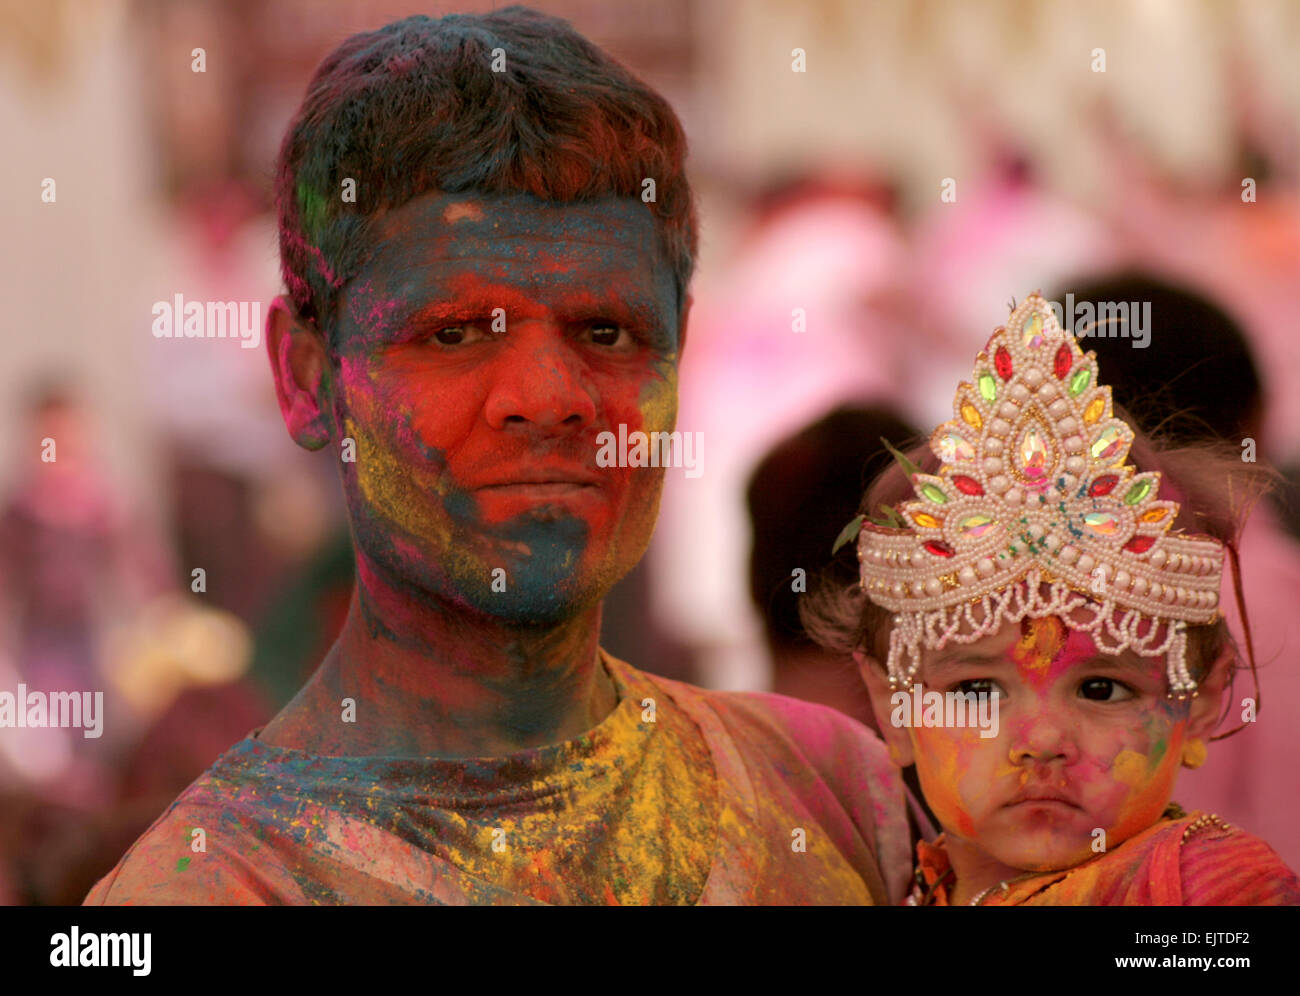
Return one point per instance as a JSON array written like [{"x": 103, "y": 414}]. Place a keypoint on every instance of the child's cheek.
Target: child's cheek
[
  {"x": 949, "y": 777},
  {"x": 1146, "y": 781}
]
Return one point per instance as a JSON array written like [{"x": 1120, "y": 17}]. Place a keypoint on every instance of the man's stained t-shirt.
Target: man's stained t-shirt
[{"x": 679, "y": 796}]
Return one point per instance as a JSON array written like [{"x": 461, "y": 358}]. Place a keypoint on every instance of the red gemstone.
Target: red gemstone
[
  {"x": 1103, "y": 485},
  {"x": 1002, "y": 360},
  {"x": 937, "y": 548},
  {"x": 1064, "y": 360},
  {"x": 1140, "y": 544},
  {"x": 967, "y": 485}
]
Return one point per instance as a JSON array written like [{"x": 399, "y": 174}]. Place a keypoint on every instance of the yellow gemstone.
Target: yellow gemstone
[
  {"x": 1155, "y": 515},
  {"x": 1096, "y": 407},
  {"x": 970, "y": 414},
  {"x": 925, "y": 521}
]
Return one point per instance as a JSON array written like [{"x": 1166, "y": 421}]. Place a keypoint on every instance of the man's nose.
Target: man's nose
[{"x": 539, "y": 382}]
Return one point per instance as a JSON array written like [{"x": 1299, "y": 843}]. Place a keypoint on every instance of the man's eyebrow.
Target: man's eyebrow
[{"x": 634, "y": 308}]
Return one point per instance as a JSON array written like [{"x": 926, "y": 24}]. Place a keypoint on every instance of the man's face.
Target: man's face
[{"x": 475, "y": 478}]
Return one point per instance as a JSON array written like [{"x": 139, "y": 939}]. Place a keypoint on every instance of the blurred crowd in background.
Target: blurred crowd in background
[{"x": 1171, "y": 175}]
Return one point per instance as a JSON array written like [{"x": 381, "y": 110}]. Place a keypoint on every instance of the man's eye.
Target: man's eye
[
  {"x": 606, "y": 334},
  {"x": 450, "y": 337},
  {"x": 453, "y": 336},
  {"x": 1104, "y": 690}
]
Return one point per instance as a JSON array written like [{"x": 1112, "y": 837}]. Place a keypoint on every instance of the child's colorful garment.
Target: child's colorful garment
[
  {"x": 1182, "y": 860},
  {"x": 679, "y": 796}
]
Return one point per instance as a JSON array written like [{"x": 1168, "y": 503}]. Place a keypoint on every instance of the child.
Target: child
[{"x": 1029, "y": 567}]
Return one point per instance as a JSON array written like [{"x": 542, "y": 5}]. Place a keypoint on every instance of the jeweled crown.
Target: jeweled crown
[{"x": 1035, "y": 512}]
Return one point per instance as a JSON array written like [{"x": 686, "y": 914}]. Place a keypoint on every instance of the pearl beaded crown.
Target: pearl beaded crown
[{"x": 1033, "y": 513}]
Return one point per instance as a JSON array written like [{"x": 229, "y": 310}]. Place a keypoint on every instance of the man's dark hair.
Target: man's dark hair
[{"x": 416, "y": 107}]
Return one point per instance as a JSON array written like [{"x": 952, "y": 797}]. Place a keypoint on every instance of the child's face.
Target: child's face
[{"x": 1085, "y": 742}]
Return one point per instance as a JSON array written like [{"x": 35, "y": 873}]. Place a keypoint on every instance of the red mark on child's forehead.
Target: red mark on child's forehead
[{"x": 1041, "y": 640}]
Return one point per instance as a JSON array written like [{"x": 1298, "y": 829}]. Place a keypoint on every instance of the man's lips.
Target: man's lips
[{"x": 540, "y": 481}]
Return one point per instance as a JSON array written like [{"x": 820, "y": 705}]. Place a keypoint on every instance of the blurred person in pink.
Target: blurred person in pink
[{"x": 798, "y": 324}]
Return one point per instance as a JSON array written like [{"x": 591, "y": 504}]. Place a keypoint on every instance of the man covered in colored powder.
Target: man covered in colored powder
[{"x": 476, "y": 291}]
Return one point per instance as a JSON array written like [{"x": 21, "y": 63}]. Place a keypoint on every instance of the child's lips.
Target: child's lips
[{"x": 1041, "y": 797}]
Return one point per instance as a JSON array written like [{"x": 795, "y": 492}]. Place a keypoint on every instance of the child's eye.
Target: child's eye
[
  {"x": 1104, "y": 690},
  {"x": 980, "y": 686}
]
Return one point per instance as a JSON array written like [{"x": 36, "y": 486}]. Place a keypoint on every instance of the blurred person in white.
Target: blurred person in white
[
  {"x": 795, "y": 325},
  {"x": 1207, "y": 385}
]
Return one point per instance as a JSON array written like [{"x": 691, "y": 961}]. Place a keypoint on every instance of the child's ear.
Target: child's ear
[
  {"x": 896, "y": 738},
  {"x": 1207, "y": 705}
]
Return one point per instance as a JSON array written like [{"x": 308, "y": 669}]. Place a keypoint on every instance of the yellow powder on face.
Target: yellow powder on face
[
  {"x": 388, "y": 484},
  {"x": 1131, "y": 768},
  {"x": 939, "y": 773}
]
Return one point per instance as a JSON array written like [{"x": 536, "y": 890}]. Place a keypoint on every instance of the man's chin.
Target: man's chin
[{"x": 527, "y": 600}]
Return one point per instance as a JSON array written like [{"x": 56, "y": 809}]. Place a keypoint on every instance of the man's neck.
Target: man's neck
[{"x": 432, "y": 682}]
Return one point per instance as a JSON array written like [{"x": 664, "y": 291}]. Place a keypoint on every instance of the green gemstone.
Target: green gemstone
[
  {"x": 1139, "y": 491},
  {"x": 988, "y": 387},
  {"x": 1079, "y": 381},
  {"x": 935, "y": 494}
]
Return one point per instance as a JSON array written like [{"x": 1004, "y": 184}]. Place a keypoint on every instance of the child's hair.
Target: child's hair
[
  {"x": 420, "y": 106},
  {"x": 1214, "y": 487}
]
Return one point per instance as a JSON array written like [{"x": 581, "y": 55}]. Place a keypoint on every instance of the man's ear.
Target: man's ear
[
  {"x": 896, "y": 737},
  {"x": 1205, "y": 708},
  {"x": 300, "y": 366},
  {"x": 682, "y": 322}
]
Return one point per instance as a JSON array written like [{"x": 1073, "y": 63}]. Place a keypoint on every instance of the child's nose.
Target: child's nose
[{"x": 1042, "y": 739}]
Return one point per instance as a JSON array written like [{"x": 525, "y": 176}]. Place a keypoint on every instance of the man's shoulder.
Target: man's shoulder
[
  {"x": 198, "y": 852},
  {"x": 818, "y": 734},
  {"x": 812, "y": 759}
]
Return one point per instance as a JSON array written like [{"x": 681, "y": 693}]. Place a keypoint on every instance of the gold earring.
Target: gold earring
[{"x": 1194, "y": 753}]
